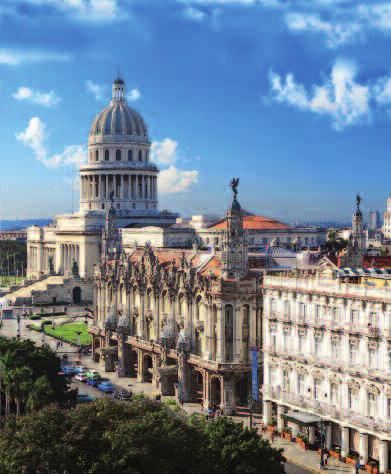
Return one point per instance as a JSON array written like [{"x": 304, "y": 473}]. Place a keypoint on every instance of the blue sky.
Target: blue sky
[{"x": 294, "y": 97}]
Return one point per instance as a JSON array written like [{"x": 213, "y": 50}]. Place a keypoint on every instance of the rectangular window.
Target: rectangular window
[
  {"x": 287, "y": 309},
  {"x": 373, "y": 319},
  {"x": 373, "y": 358},
  {"x": 318, "y": 346},
  {"x": 353, "y": 354},
  {"x": 354, "y": 316},
  {"x": 300, "y": 384},
  {"x": 335, "y": 350},
  {"x": 273, "y": 306},
  {"x": 318, "y": 313},
  {"x": 302, "y": 311},
  {"x": 317, "y": 390},
  {"x": 372, "y": 405},
  {"x": 301, "y": 341},
  {"x": 334, "y": 394}
]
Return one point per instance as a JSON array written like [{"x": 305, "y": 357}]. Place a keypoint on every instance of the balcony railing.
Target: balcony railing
[{"x": 300, "y": 401}]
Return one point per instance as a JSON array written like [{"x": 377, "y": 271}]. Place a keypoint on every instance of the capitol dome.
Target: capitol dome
[{"x": 118, "y": 121}]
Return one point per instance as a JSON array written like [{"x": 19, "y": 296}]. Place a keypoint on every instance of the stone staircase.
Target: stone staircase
[{"x": 24, "y": 295}]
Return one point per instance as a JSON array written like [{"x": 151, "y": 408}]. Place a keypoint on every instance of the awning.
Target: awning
[{"x": 302, "y": 419}]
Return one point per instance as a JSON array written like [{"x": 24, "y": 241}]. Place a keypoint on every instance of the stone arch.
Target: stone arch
[
  {"x": 215, "y": 391},
  {"x": 133, "y": 362},
  {"x": 76, "y": 295},
  {"x": 245, "y": 332},
  {"x": 242, "y": 391},
  {"x": 229, "y": 332},
  {"x": 147, "y": 368},
  {"x": 197, "y": 385}
]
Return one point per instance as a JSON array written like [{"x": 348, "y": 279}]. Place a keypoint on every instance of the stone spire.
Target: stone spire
[
  {"x": 352, "y": 256},
  {"x": 111, "y": 242},
  {"x": 234, "y": 245}
]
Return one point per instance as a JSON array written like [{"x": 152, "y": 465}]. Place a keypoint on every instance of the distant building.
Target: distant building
[
  {"x": 374, "y": 220},
  {"x": 19, "y": 235},
  {"x": 387, "y": 220}
]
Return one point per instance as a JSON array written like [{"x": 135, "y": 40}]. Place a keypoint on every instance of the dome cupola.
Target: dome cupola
[{"x": 118, "y": 122}]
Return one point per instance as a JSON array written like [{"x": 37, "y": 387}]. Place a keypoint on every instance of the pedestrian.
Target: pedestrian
[
  {"x": 357, "y": 467},
  {"x": 326, "y": 458},
  {"x": 272, "y": 436}
]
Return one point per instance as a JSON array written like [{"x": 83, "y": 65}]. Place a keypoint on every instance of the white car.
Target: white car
[{"x": 82, "y": 377}]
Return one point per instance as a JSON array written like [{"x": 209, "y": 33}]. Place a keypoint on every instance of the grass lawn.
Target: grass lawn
[
  {"x": 10, "y": 280},
  {"x": 68, "y": 332}
]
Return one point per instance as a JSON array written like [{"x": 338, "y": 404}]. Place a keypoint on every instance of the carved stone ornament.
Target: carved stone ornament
[
  {"x": 286, "y": 328},
  {"x": 371, "y": 388},
  {"x": 273, "y": 326},
  {"x": 333, "y": 379},
  {"x": 354, "y": 385},
  {"x": 301, "y": 370},
  {"x": 318, "y": 375},
  {"x": 373, "y": 345}
]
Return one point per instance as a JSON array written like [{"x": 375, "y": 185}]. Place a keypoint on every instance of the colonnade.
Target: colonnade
[
  {"x": 125, "y": 186},
  {"x": 69, "y": 253}
]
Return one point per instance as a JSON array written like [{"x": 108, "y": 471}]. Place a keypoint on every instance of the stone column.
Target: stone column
[
  {"x": 228, "y": 395},
  {"x": 106, "y": 178},
  {"x": 295, "y": 430},
  {"x": 344, "y": 441},
  {"x": 123, "y": 357},
  {"x": 156, "y": 318},
  {"x": 146, "y": 187},
  {"x": 122, "y": 187},
  {"x": 311, "y": 435},
  {"x": 140, "y": 366},
  {"x": 220, "y": 335},
  {"x": 280, "y": 419},
  {"x": 184, "y": 378},
  {"x": 383, "y": 456},
  {"x": 363, "y": 449},
  {"x": 328, "y": 436},
  {"x": 267, "y": 412}
]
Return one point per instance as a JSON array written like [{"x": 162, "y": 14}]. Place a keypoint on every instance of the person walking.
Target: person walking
[
  {"x": 357, "y": 467},
  {"x": 272, "y": 436},
  {"x": 326, "y": 458}
]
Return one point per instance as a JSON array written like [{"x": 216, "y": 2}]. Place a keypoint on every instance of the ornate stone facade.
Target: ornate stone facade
[
  {"x": 182, "y": 319},
  {"x": 327, "y": 361}
]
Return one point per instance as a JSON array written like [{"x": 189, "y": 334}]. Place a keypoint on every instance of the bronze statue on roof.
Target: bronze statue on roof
[{"x": 234, "y": 185}]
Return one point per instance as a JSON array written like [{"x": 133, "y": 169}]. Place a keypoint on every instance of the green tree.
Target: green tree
[
  {"x": 39, "y": 393},
  {"x": 6, "y": 367},
  {"x": 137, "y": 437}
]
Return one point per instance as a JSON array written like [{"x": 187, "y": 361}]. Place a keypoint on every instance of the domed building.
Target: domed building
[
  {"x": 118, "y": 173},
  {"x": 119, "y": 166}
]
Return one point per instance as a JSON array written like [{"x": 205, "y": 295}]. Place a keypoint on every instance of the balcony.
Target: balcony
[
  {"x": 371, "y": 331},
  {"x": 334, "y": 325},
  {"x": 284, "y": 317},
  {"x": 353, "y": 328},
  {"x": 331, "y": 411},
  {"x": 272, "y": 316}
]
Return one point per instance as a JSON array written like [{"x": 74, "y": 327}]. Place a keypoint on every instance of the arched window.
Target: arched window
[
  {"x": 96, "y": 155},
  {"x": 130, "y": 155},
  {"x": 229, "y": 332},
  {"x": 118, "y": 155},
  {"x": 107, "y": 155},
  {"x": 140, "y": 155}
]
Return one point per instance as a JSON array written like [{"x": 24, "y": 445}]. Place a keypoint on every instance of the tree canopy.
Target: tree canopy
[
  {"x": 30, "y": 376},
  {"x": 141, "y": 436}
]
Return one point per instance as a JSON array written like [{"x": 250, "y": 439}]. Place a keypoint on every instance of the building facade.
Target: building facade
[
  {"x": 182, "y": 319},
  {"x": 327, "y": 362}
]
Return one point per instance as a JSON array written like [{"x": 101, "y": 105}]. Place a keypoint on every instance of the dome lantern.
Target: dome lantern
[{"x": 118, "y": 90}]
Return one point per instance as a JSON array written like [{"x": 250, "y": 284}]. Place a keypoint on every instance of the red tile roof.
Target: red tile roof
[
  {"x": 253, "y": 223},
  {"x": 377, "y": 262}
]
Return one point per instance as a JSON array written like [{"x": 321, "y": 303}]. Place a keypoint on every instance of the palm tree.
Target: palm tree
[
  {"x": 6, "y": 367},
  {"x": 21, "y": 382},
  {"x": 38, "y": 393}
]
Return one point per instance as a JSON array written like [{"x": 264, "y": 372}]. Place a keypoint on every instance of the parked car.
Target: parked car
[
  {"x": 81, "y": 368},
  {"x": 93, "y": 380},
  {"x": 82, "y": 377},
  {"x": 84, "y": 398},
  {"x": 122, "y": 394},
  {"x": 105, "y": 385},
  {"x": 92, "y": 373},
  {"x": 68, "y": 370}
]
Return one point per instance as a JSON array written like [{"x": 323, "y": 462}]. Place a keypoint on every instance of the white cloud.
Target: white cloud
[
  {"x": 47, "y": 99},
  {"x": 134, "y": 94},
  {"x": 34, "y": 137},
  {"x": 194, "y": 14},
  {"x": 174, "y": 180},
  {"x": 86, "y": 10},
  {"x": 340, "y": 97},
  {"x": 377, "y": 16},
  {"x": 99, "y": 91},
  {"x": 335, "y": 33},
  {"x": 164, "y": 152},
  {"x": 13, "y": 57}
]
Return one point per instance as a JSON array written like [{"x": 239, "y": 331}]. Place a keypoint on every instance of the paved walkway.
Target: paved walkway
[{"x": 299, "y": 461}]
